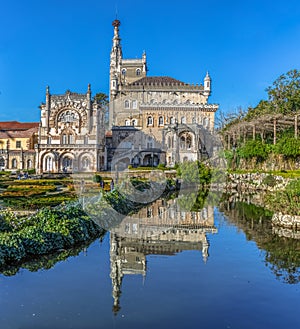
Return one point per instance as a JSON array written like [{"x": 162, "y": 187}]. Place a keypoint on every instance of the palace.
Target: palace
[
  {"x": 152, "y": 120},
  {"x": 173, "y": 114}
]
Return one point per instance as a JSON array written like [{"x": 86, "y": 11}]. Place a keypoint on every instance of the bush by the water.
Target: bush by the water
[{"x": 47, "y": 231}]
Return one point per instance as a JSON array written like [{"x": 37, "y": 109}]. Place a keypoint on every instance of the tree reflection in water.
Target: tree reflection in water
[{"x": 282, "y": 253}]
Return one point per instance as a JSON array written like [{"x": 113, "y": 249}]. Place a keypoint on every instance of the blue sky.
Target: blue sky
[{"x": 245, "y": 45}]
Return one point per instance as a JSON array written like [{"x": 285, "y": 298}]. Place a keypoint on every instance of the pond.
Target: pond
[{"x": 218, "y": 267}]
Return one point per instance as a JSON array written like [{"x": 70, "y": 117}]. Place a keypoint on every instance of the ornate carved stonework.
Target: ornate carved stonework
[{"x": 71, "y": 134}]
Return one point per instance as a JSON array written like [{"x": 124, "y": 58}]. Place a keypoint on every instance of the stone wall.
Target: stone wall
[
  {"x": 286, "y": 221},
  {"x": 256, "y": 182}
]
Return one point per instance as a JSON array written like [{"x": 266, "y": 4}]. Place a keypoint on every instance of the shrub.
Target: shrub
[
  {"x": 254, "y": 149},
  {"x": 288, "y": 146}
]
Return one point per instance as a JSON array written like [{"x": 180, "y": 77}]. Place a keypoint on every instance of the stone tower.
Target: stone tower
[{"x": 123, "y": 71}]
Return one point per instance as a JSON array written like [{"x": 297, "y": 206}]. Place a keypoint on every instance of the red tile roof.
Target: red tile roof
[
  {"x": 18, "y": 133},
  {"x": 158, "y": 80},
  {"x": 16, "y": 125}
]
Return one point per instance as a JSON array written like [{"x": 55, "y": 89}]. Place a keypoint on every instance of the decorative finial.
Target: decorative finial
[
  {"x": 89, "y": 87},
  {"x": 47, "y": 90},
  {"x": 116, "y": 23}
]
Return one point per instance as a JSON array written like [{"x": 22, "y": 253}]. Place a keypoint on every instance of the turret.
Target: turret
[{"x": 207, "y": 84}]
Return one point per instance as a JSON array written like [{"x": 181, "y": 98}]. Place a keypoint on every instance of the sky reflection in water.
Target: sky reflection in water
[{"x": 211, "y": 277}]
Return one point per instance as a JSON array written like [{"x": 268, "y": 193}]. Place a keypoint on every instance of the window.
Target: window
[
  {"x": 71, "y": 139},
  {"x": 185, "y": 141},
  {"x": 134, "y": 104},
  {"x": 64, "y": 139},
  {"x": 149, "y": 121},
  {"x": 2, "y": 162},
  {"x": 18, "y": 144},
  {"x": 138, "y": 71},
  {"x": 127, "y": 122},
  {"x": 183, "y": 120},
  {"x": 126, "y": 104},
  {"x": 149, "y": 212},
  {"x": 49, "y": 163},
  {"x": 134, "y": 122},
  {"x": 172, "y": 120},
  {"x": 123, "y": 72},
  {"x": 29, "y": 164},
  {"x": 68, "y": 139},
  {"x": 161, "y": 121},
  {"x": 67, "y": 162},
  {"x": 14, "y": 163}
]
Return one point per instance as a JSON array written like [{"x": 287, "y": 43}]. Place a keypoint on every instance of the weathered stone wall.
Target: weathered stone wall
[
  {"x": 255, "y": 182},
  {"x": 286, "y": 221}
]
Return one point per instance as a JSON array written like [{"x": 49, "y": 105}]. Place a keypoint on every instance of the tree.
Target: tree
[
  {"x": 284, "y": 94},
  {"x": 102, "y": 99}
]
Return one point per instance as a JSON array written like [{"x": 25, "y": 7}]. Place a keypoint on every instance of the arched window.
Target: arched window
[
  {"x": 123, "y": 72},
  {"x": 2, "y": 162},
  {"x": 126, "y": 104},
  {"x": 67, "y": 138},
  {"x": 183, "y": 120},
  {"x": 161, "y": 121},
  {"x": 64, "y": 139},
  {"x": 150, "y": 121},
  {"x": 67, "y": 162},
  {"x": 134, "y": 104},
  {"x": 134, "y": 122},
  {"x": 188, "y": 142},
  {"x": 14, "y": 163},
  {"x": 138, "y": 71},
  {"x": 127, "y": 122},
  {"x": 185, "y": 141},
  {"x": 182, "y": 142},
  {"x": 29, "y": 164},
  {"x": 49, "y": 163},
  {"x": 169, "y": 142},
  {"x": 172, "y": 120},
  {"x": 71, "y": 139}
]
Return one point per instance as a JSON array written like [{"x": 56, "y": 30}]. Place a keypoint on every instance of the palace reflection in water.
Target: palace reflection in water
[{"x": 161, "y": 228}]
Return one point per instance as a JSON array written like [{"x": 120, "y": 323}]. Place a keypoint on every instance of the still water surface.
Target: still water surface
[{"x": 205, "y": 274}]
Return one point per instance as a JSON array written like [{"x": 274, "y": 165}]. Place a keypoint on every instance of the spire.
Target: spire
[{"x": 116, "y": 39}]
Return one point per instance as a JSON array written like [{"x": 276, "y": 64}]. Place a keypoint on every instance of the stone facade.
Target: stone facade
[
  {"x": 17, "y": 142},
  {"x": 71, "y": 134},
  {"x": 156, "y": 104}
]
